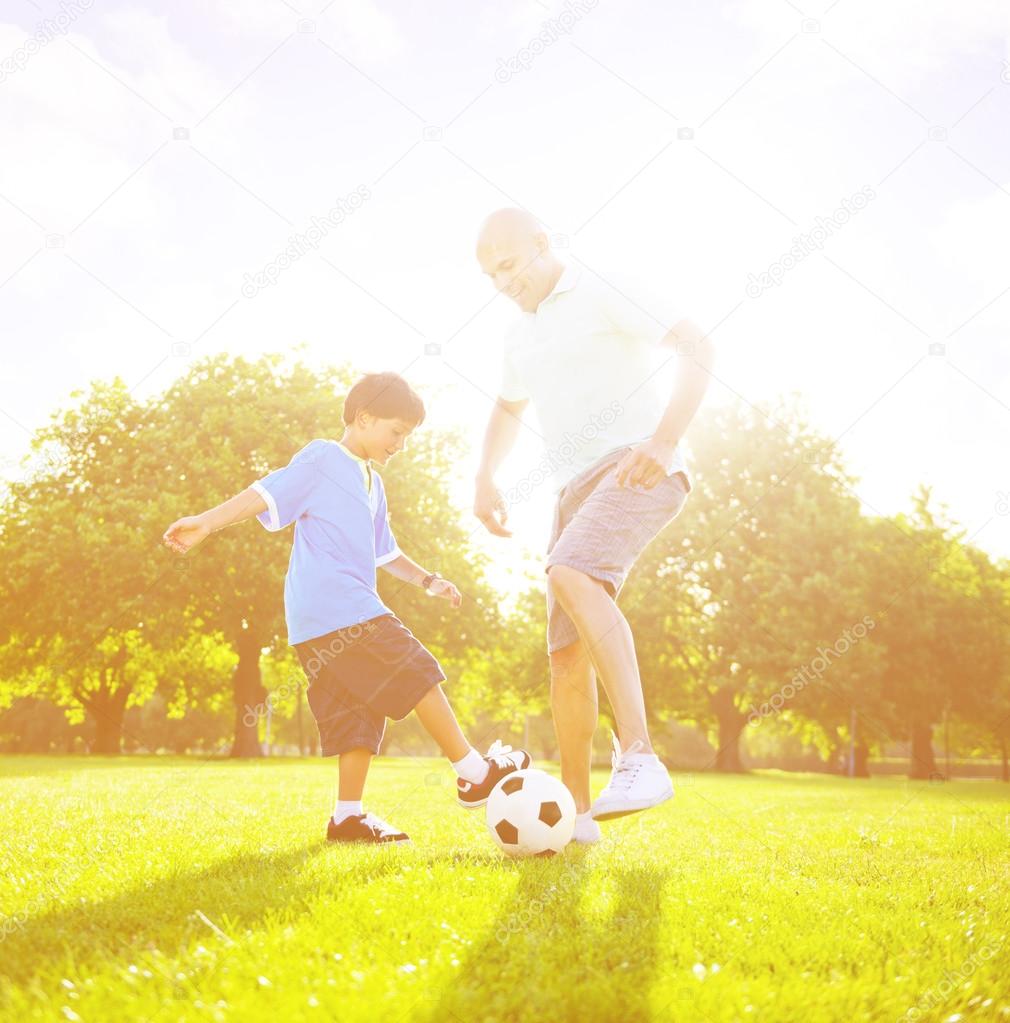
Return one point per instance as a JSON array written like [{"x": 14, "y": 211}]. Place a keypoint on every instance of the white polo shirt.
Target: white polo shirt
[{"x": 590, "y": 361}]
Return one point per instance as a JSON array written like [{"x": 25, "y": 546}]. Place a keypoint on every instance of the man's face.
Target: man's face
[
  {"x": 383, "y": 438},
  {"x": 517, "y": 269}
]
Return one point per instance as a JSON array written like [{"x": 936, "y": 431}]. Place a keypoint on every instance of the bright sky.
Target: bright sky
[{"x": 159, "y": 152}]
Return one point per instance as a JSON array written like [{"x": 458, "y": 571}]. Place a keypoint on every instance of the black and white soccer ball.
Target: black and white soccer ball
[{"x": 529, "y": 813}]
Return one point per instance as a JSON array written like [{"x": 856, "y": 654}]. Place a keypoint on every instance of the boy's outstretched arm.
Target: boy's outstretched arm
[
  {"x": 187, "y": 532},
  {"x": 411, "y": 572}
]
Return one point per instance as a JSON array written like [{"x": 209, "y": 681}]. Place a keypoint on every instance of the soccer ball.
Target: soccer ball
[{"x": 529, "y": 813}]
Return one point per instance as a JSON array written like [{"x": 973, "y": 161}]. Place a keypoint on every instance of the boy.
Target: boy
[{"x": 362, "y": 663}]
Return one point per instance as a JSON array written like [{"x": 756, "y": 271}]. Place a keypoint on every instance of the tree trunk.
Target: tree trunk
[
  {"x": 301, "y": 726},
  {"x": 922, "y": 765},
  {"x": 731, "y": 725},
  {"x": 249, "y": 696},
  {"x": 107, "y": 709},
  {"x": 862, "y": 760}
]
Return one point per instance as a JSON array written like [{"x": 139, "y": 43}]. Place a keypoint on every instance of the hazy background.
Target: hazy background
[{"x": 157, "y": 153}]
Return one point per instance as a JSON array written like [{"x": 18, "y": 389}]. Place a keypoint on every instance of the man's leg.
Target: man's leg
[
  {"x": 607, "y": 639},
  {"x": 575, "y": 711}
]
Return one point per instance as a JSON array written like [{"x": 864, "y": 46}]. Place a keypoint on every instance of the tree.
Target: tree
[
  {"x": 228, "y": 422},
  {"x": 944, "y": 626},
  {"x": 76, "y": 565},
  {"x": 741, "y": 588}
]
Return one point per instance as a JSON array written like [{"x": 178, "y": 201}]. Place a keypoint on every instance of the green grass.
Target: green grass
[{"x": 149, "y": 889}]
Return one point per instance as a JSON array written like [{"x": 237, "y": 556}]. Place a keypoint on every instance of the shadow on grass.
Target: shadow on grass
[
  {"x": 548, "y": 956},
  {"x": 15, "y": 765},
  {"x": 233, "y": 895},
  {"x": 203, "y": 905}
]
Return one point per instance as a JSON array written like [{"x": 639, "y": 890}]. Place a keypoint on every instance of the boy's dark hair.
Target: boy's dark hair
[{"x": 385, "y": 395}]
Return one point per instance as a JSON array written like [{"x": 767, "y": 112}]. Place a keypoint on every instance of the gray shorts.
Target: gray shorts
[{"x": 601, "y": 528}]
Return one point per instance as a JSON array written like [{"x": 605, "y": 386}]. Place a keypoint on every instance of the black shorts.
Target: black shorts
[{"x": 362, "y": 674}]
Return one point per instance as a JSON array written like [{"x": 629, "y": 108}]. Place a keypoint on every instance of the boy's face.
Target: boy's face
[{"x": 382, "y": 438}]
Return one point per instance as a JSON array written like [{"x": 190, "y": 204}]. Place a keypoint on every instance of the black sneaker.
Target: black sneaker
[
  {"x": 501, "y": 760},
  {"x": 364, "y": 827}
]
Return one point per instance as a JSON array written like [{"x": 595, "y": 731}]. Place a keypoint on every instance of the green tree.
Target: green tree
[
  {"x": 944, "y": 627},
  {"x": 228, "y": 423},
  {"x": 743, "y": 586},
  {"x": 77, "y": 565}
]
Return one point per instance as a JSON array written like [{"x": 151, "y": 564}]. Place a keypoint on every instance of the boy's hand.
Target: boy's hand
[
  {"x": 444, "y": 588},
  {"x": 186, "y": 533}
]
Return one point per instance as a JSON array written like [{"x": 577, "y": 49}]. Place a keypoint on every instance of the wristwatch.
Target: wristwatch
[{"x": 429, "y": 579}]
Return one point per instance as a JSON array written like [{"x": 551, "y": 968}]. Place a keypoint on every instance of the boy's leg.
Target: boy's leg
[
  {"x": 575, "y": 711},
  {"x": 353, "y": 772},
  {"x": 350, "y": 823},
  {"x": 348, "y": 730},
  {"x": 477, "y": 774},
  {"x": 435, "y": 714}
]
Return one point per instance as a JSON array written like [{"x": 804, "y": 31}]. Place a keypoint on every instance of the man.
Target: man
[{"x": 582, "y": 348}]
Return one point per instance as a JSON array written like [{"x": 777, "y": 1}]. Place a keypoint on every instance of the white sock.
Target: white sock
[
  {"x": 472, "y": 768},
  {"x": 346, "y": 808}
]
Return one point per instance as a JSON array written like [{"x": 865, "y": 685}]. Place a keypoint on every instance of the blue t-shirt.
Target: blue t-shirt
[{"x": 342, "y": 535}]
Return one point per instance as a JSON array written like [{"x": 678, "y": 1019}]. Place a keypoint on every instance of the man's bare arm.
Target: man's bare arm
[
  {"x": 499, "y": 439},
  {"x": 647, "y": 463},
  {"x": 694, "y": 371}
]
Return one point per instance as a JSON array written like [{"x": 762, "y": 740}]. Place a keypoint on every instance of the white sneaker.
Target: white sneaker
[
  {"x": 587, "y": 831},
  {"x": 637, "y": 782}
]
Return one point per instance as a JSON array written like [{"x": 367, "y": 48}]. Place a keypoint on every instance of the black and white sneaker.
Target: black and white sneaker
[
  {"x": 501, "y": 760},
  {"x": 364, "y": 827}
]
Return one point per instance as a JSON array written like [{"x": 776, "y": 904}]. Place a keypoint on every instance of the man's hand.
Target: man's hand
[
  {"x": 185, "y": 534},
  {"x": 489, "y": 506},
  {"x": 445, "y": 589},
  {"x": 645, "y": 464}
]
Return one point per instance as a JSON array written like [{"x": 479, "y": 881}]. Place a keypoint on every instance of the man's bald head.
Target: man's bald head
[
  {"x": 509, "y": 224},
  {"x": 514, "y": 251}
]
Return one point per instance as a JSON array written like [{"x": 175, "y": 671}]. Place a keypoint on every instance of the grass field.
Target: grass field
[{"x": 149, "y": 889}]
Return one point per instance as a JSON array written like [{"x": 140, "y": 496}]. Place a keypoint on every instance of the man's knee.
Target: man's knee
[
  {"x": 568, "y": 581},
  {"x": 565, "y": 657},
  {"x": 570, "y": 669}
]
